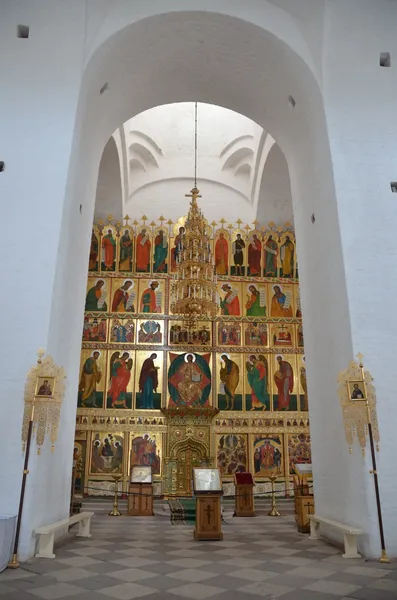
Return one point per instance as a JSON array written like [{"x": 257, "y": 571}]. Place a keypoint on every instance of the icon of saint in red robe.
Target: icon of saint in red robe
[
  {"x": 109, "y": 251},
  {"x": 284, "y": 380},
  {"x": 120, "y": 374},
  {"x": 149, "y": 299},
  {"x": 254, "y": 256},
  {"x": 230, "y": 304},
  {"x": 221, "y": 255},
  {"x": 143, "y": 252}
]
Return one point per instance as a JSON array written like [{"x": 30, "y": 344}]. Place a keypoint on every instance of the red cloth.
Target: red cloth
[
  {"x": 243, "y": 478},
  {"x": 110, "y": 249},
  {"x": 221, "y": 256},
  {"x": 142, "y": 254},
  {"x": 254, "y": 257},
  {"x": 119, "y": 383}
]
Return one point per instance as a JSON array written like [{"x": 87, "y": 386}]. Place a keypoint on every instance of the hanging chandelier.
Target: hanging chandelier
[{"x": 194, "y": 284}]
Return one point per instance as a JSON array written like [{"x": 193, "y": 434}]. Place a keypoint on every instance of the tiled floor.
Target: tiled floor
[{"x": 150, "y": 558}]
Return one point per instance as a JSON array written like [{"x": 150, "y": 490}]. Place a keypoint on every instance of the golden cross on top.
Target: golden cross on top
[
  {"x": 360, "y": 359},
  {"x": 126, "y": 219},
  {"x": 194, "y": 194}
]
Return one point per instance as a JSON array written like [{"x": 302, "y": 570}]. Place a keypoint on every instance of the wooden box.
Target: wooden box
[
  {"x": 140, "y": 500},
  {"x": 304, "y": 506},
  {"x": 208, "y": 517},
  {"x": 244, "y": 495}
]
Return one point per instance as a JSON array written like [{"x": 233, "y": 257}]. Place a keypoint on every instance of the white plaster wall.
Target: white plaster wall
[
  {"x": 362, "y": 121},
  {"x": 109, "y": 198},
  {"x": 167, "y": 198},
  {"x": 275, "y": 201},
  {"x": 166, "y": 171},
  {"x": 194, "y": 56},
  {"x": 40, "y": 83}
]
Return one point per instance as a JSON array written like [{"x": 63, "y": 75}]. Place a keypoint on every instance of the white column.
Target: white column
[
  {"x": 40, "y": 79},
  {"x": 362, "y": 123}
]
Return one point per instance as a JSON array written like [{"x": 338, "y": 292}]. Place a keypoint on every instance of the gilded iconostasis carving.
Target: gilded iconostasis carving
[{"x": 141, "y": 367}]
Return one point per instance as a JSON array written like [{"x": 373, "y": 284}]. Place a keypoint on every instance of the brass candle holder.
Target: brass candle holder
[
  {"x": 273, "y": 512},
  {"x": 115, "y": 511}
]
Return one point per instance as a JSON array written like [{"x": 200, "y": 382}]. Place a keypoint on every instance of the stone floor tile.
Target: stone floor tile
[
  {"x": 162, "y": 583},
  {"x": 330, "y": 550},
  {"x": 296, "y": 561},
  {"x": 88, "y": 551},
  {"x": 93, "y": 542},
  {"x": 141, "y": 544},
  {"x": 27, "y": 584},
  {"x": 253, "y": 574},
  {"x": 277, "y": 567},
  {"x": 133, "y": 561},
  {"x": 280, "y": 551},
  {"x": 243, "y": 561},
  {"x": 44, "y": 565},
  {"x": 293, "y": 582},
  {"x": 80, "y": 561},
  {"x": 71, "y": 574},
  {"x": 97, "y": 582},
  {"x": 57, "y": 591},
  {"x": 197, "y": 591},
  {"x": 302, "y": 594},
  {"x": 186, "y": 553},
  {"x": 6, "y": 589},
  {"x": 367, "y": 593},
  {"x": 163, "y": 568},
  {"x": 137, "y": 552},
  {"x": 385, "y": 584},
  {"x": 131, "y": 575},
  {"x": 367, "y": 571},
  {"x": 86, "y": 595},
  {"x": 338, "y": 559},
  {"x": 234, "y": 552},
  {"x": 188, "y": 563},
  {"x": 218, "y": 569},
  {"x": 350, "y": 578},
  {"x": 310, "y": 572},
  {"x": 11, "y": 574},
  {"x": 269, "y": 542},
  {"x": 127, "y": 591},
  {"x": 336, "y": 588},
  {"x": 21, "y": 595},
  {"x": 265, "y": 589},
  {"x": 102, "y": 567},
  {"x": 229, "y": 543},
  {"x": 193, "y": 575}
]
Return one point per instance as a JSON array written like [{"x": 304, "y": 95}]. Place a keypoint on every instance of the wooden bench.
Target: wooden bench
[
  {"x": 47, "y": 532},
  {"x": 349, "y": 534}
]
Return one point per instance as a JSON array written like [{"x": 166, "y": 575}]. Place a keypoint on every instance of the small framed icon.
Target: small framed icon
[
  {"x": 45, "y": 387},
  {"x": 141, "y": 474},
  {"x": 206, "y": 480},
  {"x": 356, "y": 390}
]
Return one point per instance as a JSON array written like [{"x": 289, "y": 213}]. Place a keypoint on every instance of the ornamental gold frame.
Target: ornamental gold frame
[{"x": 128, "y": 421}]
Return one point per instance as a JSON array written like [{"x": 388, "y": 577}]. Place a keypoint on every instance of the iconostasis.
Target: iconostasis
[{"x": 137, "y": 358}]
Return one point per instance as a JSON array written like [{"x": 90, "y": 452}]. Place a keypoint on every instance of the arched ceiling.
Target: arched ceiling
[{"x": 156, "y": 155}]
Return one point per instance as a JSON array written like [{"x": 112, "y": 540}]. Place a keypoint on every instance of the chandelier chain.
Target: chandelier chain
[{"x": 195, "y": 144}]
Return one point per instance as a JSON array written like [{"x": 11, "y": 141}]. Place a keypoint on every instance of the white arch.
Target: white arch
[
  {"x": 252, "y": 69},
  {"x": 265, "y": 145}
]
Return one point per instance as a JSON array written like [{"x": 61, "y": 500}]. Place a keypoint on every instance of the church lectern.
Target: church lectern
[
  {"x": 208, "y": 491},
  {"x": 244, "y": 495},
  {"x": 303, "y": 497},
  {"x": 140, "y": 498}
]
